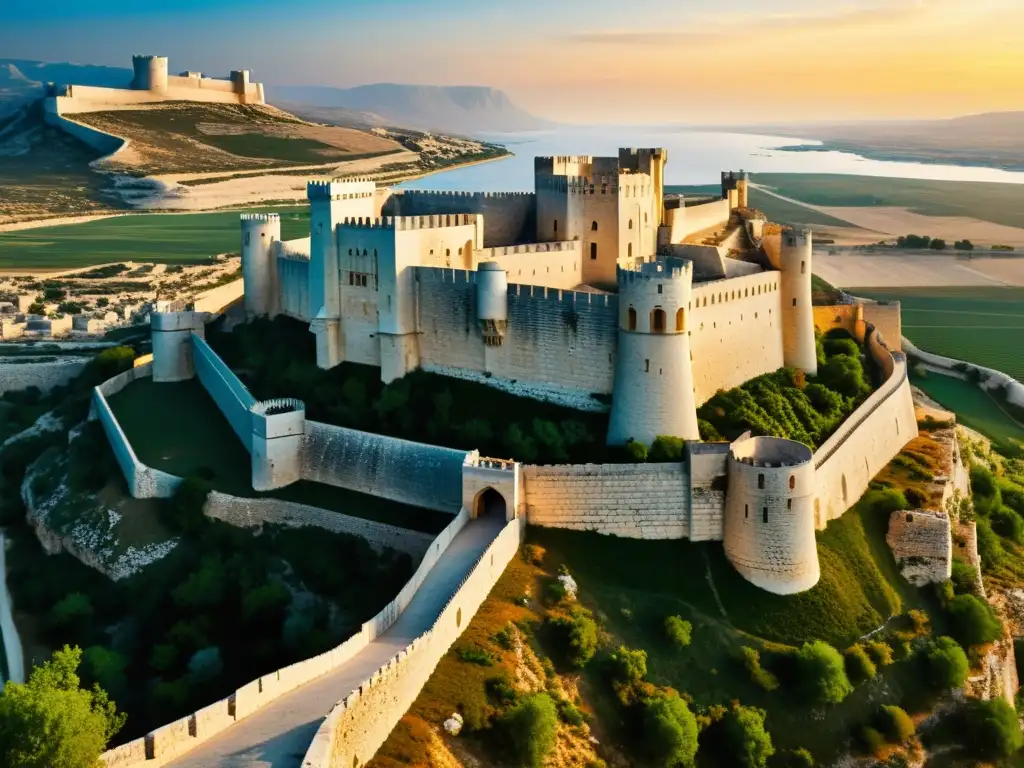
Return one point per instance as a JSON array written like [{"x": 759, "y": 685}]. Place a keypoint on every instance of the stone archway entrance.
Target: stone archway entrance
[{"x": 490, "y": 504}]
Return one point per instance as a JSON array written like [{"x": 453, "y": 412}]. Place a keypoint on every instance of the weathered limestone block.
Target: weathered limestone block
[{"x": 922, "y": 543}]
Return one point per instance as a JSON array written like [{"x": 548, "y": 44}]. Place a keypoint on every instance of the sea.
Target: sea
[{"x": 694, "y": 157}]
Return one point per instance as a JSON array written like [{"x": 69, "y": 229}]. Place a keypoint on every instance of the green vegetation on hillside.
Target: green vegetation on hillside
[
  {"x": 980, "y": 325},
  {"x": 142, "y": 237},
  {"x": 986, "y": 201}
]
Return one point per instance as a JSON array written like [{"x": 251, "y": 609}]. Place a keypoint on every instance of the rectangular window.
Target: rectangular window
[
  {"x": 647, "y": 366},
  {"x": 593, "y": 251},
  {"x": 789, "y": 503},
  {"x": 746, "y": 511},
  {"x": 760, "y": 482},
  {"x": 764, "y": 514},
  {"x": 803, "y": 267}
]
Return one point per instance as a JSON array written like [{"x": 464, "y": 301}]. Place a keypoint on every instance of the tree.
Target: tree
[
  {"x": 973, "y": 621},
  {"x": 671, "y": 731},
  {"x": 520, "y": 446},
  {"x": 106, "y": 668},
  {"x": 184, "y": 510},
  {"x": 947, "y": 664},
  {"x": 746, "y": 738},
  {"x": 205, "y": 665},
  {"x": 532, "y": 725},
  {"x": 36, "y": 308},
  {"x": 666, "y": 448},
  {"x": 51, "y": 722},
  {"x": 69, "y": 308},
  {"x": 636, "y": 451},
  {"x": 964, "y": 245},
  {"x": 102, "y": 301},
  {"x": 679, "y": 631},
  {"x": 859, "y": 665},
  {"x": 823, "y": 672},
  {"x": 579, "y": 634},
  {"x": 895, "y": 724},
  {"x": 991, "y": 730},
  {"x": 629, "y": 666},
  {"x": 938, "y": 244},
  {"x": 74, "y": 613}
]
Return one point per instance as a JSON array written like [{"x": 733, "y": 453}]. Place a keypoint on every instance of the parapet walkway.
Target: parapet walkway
[{"x": 279, "y": 734}]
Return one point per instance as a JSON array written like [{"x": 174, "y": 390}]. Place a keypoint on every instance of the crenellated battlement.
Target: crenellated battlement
[
  {"x": 629, "y": 276},
  {"x": 278, "y": 405},
  {"x": 448, "y": 193},
  {"x": 261, "y": 217},
  {"x": 410, "y": 223},
  {"x": 448, "y": 276},
  {"x": 566, "y": 246},
  {"x": 340, "y": 189}
]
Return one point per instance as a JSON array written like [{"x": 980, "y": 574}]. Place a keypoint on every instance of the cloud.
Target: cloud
[{"x": 723, "y": 28}]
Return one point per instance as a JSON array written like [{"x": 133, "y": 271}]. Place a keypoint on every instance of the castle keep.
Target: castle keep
[{"x": 596, "y": 289}]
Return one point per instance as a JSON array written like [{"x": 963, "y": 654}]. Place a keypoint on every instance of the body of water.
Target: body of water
[{"x": 694, "y": 157}]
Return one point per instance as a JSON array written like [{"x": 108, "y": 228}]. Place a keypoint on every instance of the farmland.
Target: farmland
[
  {"x": 980, "y": 325},
  {"x": 158, "y": 238}
]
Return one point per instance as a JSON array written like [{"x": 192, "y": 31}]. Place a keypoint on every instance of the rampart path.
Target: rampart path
[{"x": 279, "y": 734}]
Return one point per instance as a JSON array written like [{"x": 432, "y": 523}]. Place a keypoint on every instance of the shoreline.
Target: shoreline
[{"x": 59, "y": 221}]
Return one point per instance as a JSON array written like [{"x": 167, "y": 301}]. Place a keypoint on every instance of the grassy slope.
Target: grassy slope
[
  {"x": 178, "y": 428},
  {"x": 143, "y": 237},
  {"x": 987, "y": 201},
  {"x": 979, "y": 325}
]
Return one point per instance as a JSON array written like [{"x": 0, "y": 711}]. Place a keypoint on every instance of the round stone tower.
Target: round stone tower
[
  {"x": 653, "y": 391},
  {"x": 171, "y": 333},
  {"x": 492, "y": 302},
  {"x": 259, "y": 264},
  {"x": 798, "y": 349},
  {"x": 769, "y": 514},
  {"x": 150, "y": 73}
]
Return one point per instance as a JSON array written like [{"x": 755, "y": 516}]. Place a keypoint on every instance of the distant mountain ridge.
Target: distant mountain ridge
[{"x": 465, "y": 108}]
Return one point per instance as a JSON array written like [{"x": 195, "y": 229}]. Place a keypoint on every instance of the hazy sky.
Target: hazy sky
[{"x": 621, "y": 61}]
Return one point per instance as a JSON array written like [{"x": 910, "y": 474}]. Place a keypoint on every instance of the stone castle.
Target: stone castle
[{"x": 595, "y": 289}]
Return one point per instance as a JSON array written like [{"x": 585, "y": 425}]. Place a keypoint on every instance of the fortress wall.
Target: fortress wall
[
  {"x": 847, "y": 317},
  {"x": 735, "y": 332},
  {"x": 216, "y": 300},
  {"x": 635, "y": 501},
  {"x": 922, "y": 543},
  {"x": 181, "y": 736},
  {"x": 509, "y": 217},
  {"x": 230, "y": 394},
  {"x": 685, "y": 221},
  {"x": 106, "y": 143},
  {"x": 867, "y": 440},
  {"x": 991, "y": 378},
  {"x": 554, "y": 265},
  {"x": 90, "y": 98},
  {"x": 708, "y": 481},
  {"x": 412, "y": 473},
  {"x": 45, "y": 375},
  {"x": 253, "y": 513},
  {"x": 887, "y": 320},
  {"x": 144, "y": 482},
  {"x": 361, "y": 722},
  {"x": 561, "y": 340},
  {"x": 293, "y": 282}
]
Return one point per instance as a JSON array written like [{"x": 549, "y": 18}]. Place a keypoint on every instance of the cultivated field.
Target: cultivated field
[
  {"x": 985, "y": 201},
  {"x": 138, "y": 237},
  {"x": 899, "y": 269},
  {"x": 980, "y": 325}
]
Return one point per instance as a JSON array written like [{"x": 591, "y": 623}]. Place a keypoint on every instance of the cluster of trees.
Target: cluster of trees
[
  {"x": 223, "y": 608},
  {"x": 920, "y": 242},
  {"x": 278, "y": 358},
  {"x": 789, "y": 404},
  {"x": 999, "y": 515}
]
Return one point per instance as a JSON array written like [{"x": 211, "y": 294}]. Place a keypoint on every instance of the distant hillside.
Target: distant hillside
[
  {"x": 994, "y": 139},
  {"x": 462, "y": 109}
]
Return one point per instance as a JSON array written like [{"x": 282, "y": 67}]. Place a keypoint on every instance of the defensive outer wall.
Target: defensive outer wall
[{"x": 719, "y": 492}]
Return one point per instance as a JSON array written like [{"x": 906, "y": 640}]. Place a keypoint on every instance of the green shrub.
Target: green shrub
[
  {"x": 500, "y": 689},
  {"x": 569, "y": 713},
  {"x": 823, "y": 673},
  {"x": 504, "y": 637},
  {"x": 746, "y": 739},
  {"x": 636, "y": 451},
  {"x": 666, "y": 448},
  {"x": 554, "y": 592},
  {"x": 991, "y": 730},
  {"x": 880, "y": 653},
  {"x": 758, "y": 674},
  {"x": 532, "y": 726},
  {"x": 533, "y": 554},
  {"x": 73, "y": 614},
  {"x": 872, "y": 739},
  {"x": 1008, "y": 524},
  {"x": 183, "y": 512},
  {"x": 972, "y": 620},
  {"x": 947, "y": 664},
  {"x": 895, "y": 724},
  {"x": 835, "y": 347},
  {"x": 628, "y": 665},
  {"x": 679, "y": 631},
  {"x": 670, "y": 732},
  {"x": 964, "y": 578},
  {"x": 473, "y": 655},
  {"x": 885, "y": 502},
  {"x": 859, "y": 666},
  {"x": 578, "y": 634},
  {"x": 990, "y": 546},
  {"x": 794, "y": 758}
]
